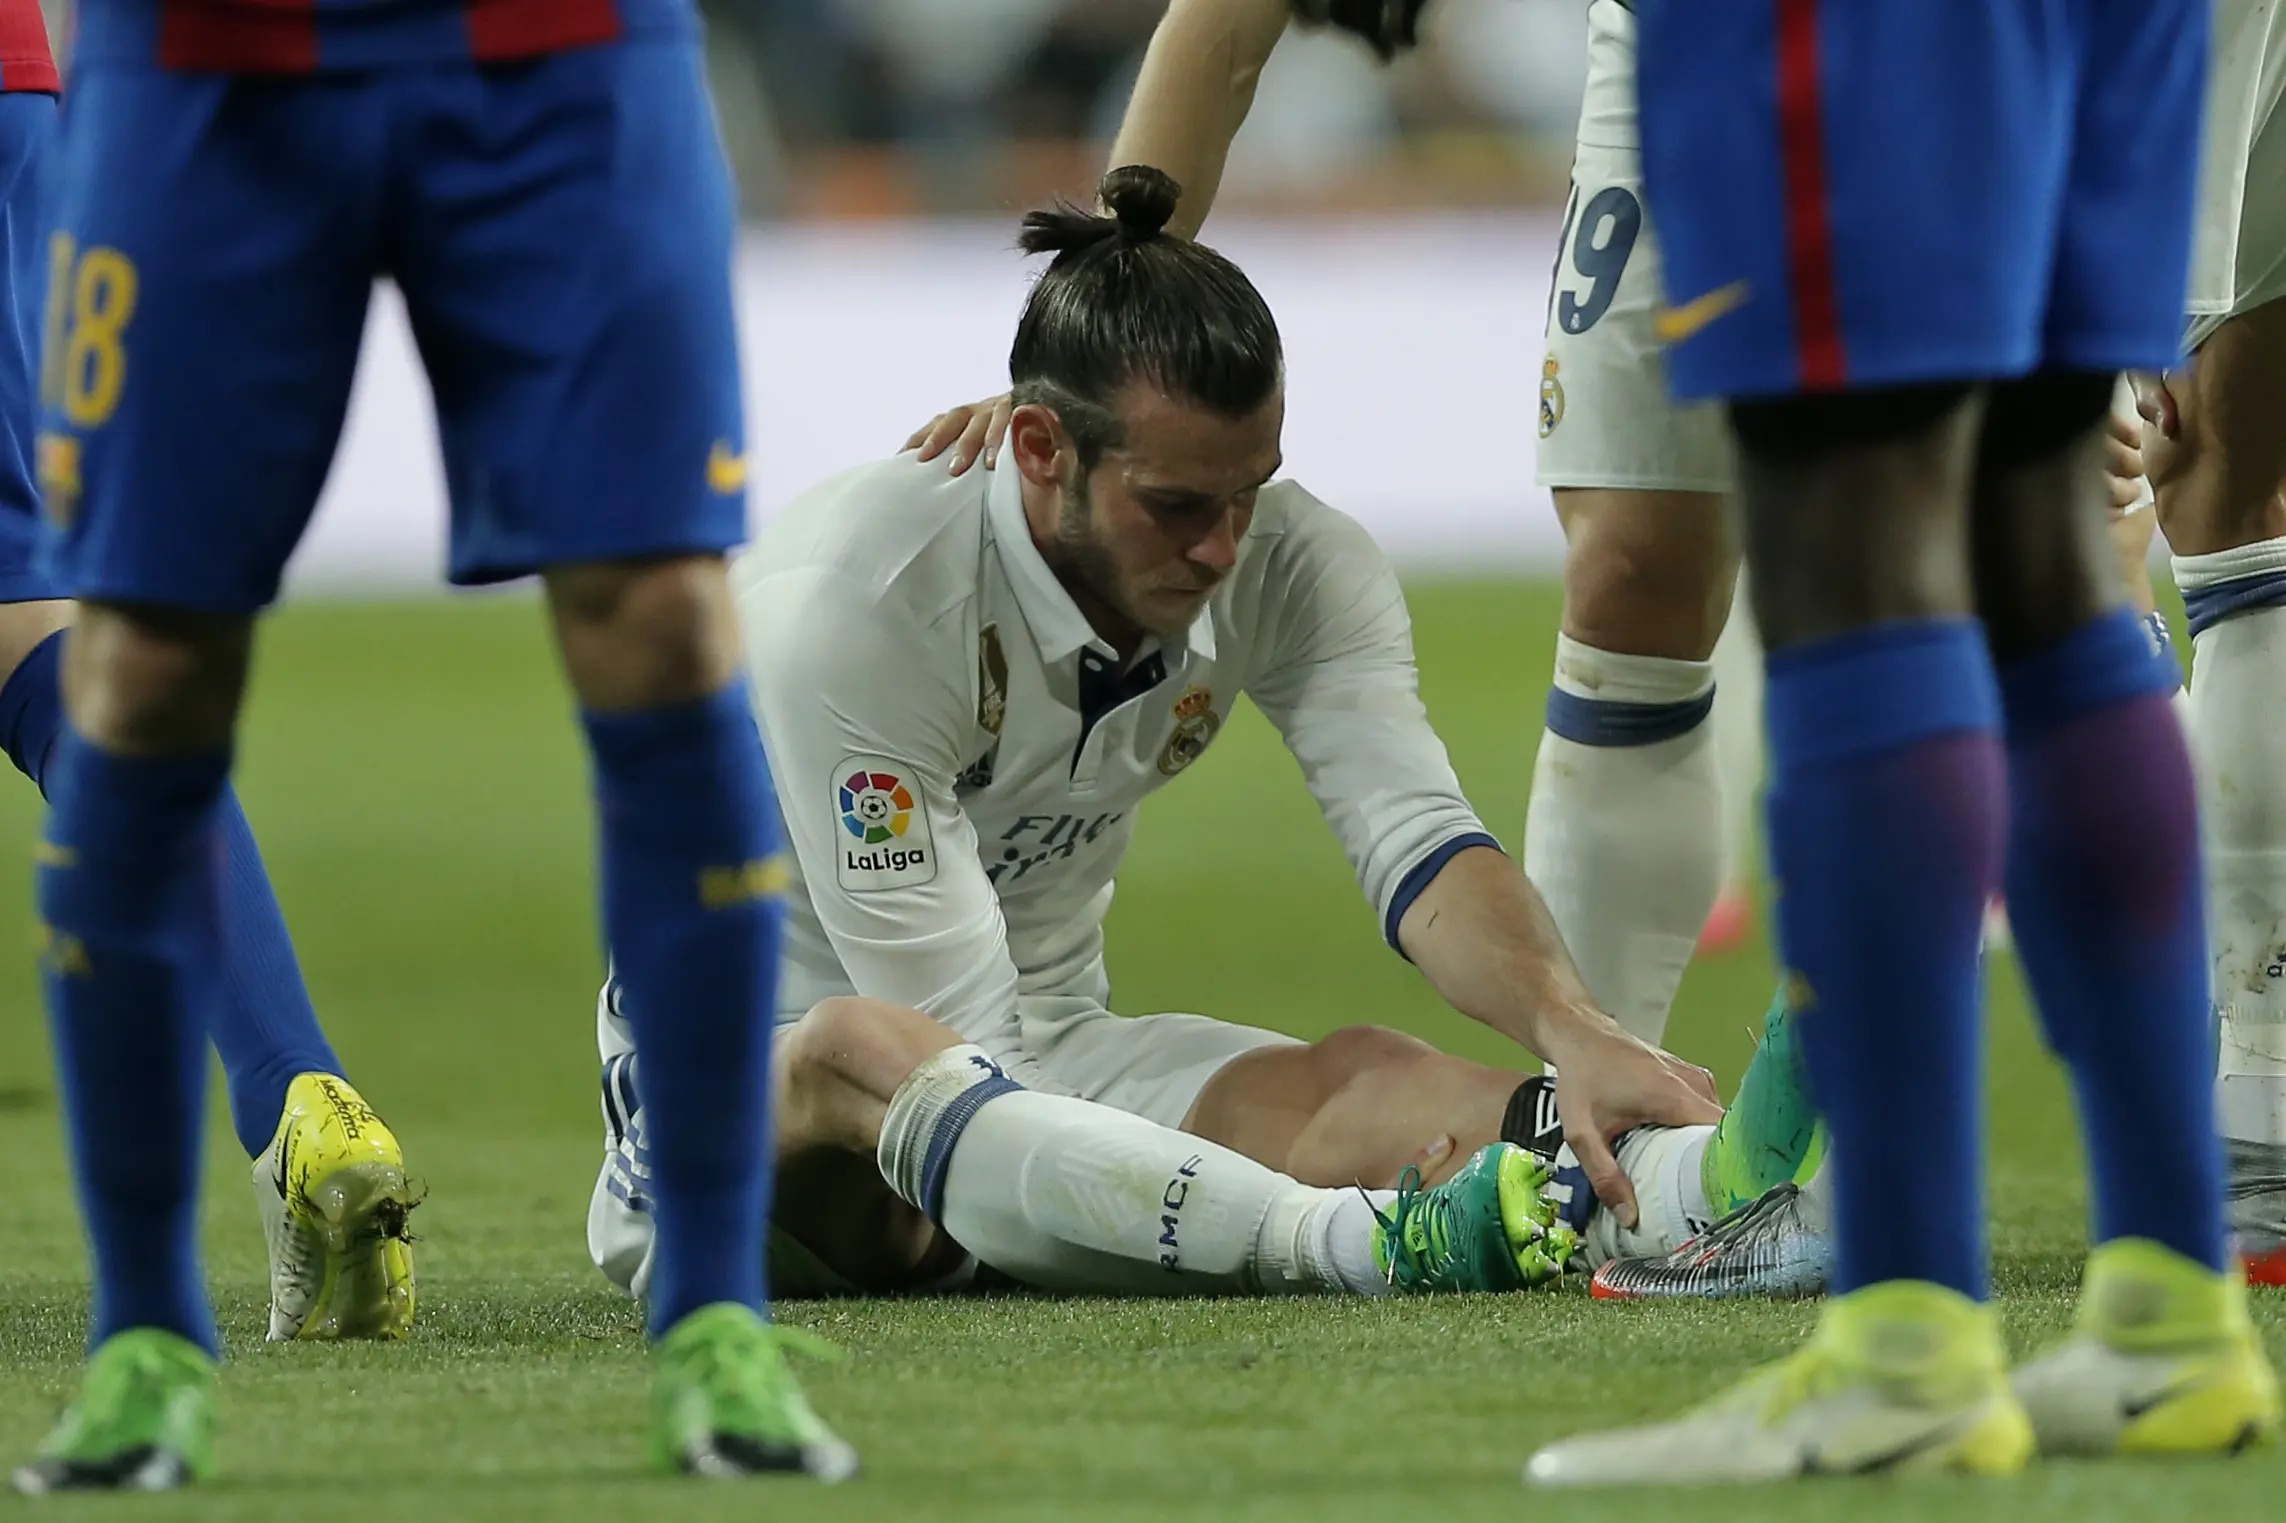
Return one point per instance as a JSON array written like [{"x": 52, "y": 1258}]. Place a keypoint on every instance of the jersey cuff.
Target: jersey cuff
[{"x": 1423, "y": 874}]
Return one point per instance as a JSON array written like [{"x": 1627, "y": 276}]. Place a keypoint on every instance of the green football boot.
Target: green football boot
[
  {"x": 1772, "y": 1134},
  {"x": 144, "y": 1420},
  {"x": 1486, "y": 1228},
  {"x": 723, "y": 1402}
]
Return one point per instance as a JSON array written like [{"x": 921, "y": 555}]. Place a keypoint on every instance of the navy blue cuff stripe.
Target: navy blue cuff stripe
[
  {"x": 937, "y": 1162},
  {"x": 2209, "y": 606},
  {"x": 1423, "y": 874},
  {"x": 1602, "y": 722}
]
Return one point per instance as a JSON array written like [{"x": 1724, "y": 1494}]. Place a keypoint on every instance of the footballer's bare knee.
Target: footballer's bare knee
[
  {"x": 146, "y": 681},
  {"x": 1647, "y": 573},
  {"x": 840, "y": 1064},
  {"x": 837, "y": 1069},
  {"x": 2221, "y": 480},
  {"x": 1362, "y": 1052},
  {"x": 1355, "y": 1107},
  {"x": 644, "y": 634},
  {"x": 1855, "y": 507}
]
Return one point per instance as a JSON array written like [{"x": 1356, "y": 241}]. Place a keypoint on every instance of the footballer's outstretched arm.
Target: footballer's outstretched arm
[
  {"x": 1192, "y": 96},
  {"x": 1344, "y": 692},
  {"x": 843, "y": 687}
]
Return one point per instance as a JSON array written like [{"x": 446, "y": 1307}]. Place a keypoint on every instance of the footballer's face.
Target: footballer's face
[{"x": 1150, "y": 533}]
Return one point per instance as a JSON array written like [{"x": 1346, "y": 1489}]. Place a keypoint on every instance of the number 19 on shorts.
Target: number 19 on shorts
[{"x": 91, "y": 296}]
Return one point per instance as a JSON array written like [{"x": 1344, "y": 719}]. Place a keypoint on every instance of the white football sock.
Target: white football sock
[
  {"x": 1624, "y": 841},
  {"x": 1738, "y": 738},
  {"x": 1662, "y": 1162},
  {"x": 1339, "y": 1235},
  {"x": 1068, "y": 1195},
  {"x": 2238, "y": 734}
]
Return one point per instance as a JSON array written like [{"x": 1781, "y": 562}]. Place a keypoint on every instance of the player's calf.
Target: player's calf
[
  {"x": 837, "y": 1070},
  {"x": 2219, "y": 470},
  {"x": 1624, "y": 834},
  {"x": 690, "y": 837}
]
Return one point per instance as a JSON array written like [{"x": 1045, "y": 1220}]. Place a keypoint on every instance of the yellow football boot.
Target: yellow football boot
[
  {"x": 2164, "y": 1361},
  {"x": 1902, "y": 1377},
  {"x": 334, "y": 1202}
]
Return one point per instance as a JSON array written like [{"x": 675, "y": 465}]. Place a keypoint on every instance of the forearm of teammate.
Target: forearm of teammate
[{"x": 1193, "y": 93}]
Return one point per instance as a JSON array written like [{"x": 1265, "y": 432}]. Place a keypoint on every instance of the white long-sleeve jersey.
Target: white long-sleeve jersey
[{"x": 960, "y": 758}]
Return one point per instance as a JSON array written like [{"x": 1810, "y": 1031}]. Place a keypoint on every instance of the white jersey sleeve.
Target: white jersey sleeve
[
  {"x": 865, "y": 731},
  {"x": 1341, "y": 687}
]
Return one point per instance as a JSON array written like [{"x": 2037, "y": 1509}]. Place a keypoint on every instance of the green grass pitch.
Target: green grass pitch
[{"x": 414, "y": 774}]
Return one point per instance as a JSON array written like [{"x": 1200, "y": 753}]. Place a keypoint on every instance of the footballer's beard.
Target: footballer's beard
[{"x": 1085, "y": 563}]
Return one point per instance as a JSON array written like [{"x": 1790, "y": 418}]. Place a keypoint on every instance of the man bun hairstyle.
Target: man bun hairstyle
[{"x": 1125, "y": 300}]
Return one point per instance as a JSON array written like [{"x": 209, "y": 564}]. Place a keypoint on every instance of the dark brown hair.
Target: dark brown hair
[{"x": 1125, "y": 299}]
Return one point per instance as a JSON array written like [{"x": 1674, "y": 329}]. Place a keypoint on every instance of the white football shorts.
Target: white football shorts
[
  {"x": 2238, "y": 251},
  {"x": 1606, "y": 419}
]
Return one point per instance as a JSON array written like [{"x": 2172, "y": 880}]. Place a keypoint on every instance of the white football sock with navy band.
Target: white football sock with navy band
[
  {"x": 2236, "y": 602},
  {"x": 1624, "y": 835},
  {"x": 1069, "y": 1195}
]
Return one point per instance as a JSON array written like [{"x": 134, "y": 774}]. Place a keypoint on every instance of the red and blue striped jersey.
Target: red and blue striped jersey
[
  {"x": 322, "y": 36},
  {"x": 26, "y": 64}
]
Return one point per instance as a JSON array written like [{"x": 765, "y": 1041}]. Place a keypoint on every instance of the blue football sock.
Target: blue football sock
[
  {"x": 689, "y": 909},
  {"x": 127, "y": 897},
  {"x": 2105, "y": 902},
  {"x": 1886, "y": 813},
  {"x": 265, "y": 1029}
]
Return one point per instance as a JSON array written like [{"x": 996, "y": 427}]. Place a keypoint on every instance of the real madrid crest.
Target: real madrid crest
[
  {"x": 991, "y": 681},
  {"x": 1551, "y": 397},
  {"x": 1195, "y": 724}
]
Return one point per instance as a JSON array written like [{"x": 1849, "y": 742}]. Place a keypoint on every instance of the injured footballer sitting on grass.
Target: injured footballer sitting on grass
[{"x": 967, "y": 685}]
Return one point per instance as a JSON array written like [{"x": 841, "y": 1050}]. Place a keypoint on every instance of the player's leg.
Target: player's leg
[
  {"x": 1798, "y": 253},
  {"x": 2221, "y": 484},
  {"x": 180, "y": 490},
  {"x": 2105, "y": 899},
  {"x": 1356, "y": 1107},
  {"x": 1623, "y": 834},
  {"x": 564, "y": 246},
  {"x": 1365, "y": 1104},
  {"x": 2104, "y": 872},
  {"x": 265, "y": 1027},
  {"x": 1021, "y": 1175},
  {"x": 2103, "y": 875},
  {"x": 900, "y": 1146}
]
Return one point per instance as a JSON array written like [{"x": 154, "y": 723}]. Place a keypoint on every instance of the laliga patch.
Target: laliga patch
[{"x": 883, "y": 839}]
